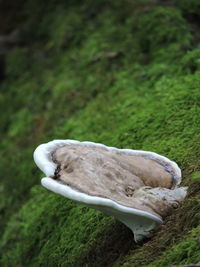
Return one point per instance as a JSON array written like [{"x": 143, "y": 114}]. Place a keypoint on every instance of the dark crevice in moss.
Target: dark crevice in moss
[{"x": 175, "y": 228}]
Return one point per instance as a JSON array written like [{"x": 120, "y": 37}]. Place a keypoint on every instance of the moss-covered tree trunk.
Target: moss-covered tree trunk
[{"x": 123, "y": 73}]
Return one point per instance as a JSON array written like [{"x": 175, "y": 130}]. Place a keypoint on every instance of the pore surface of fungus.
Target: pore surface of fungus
[{"x": 139, "y": 188}]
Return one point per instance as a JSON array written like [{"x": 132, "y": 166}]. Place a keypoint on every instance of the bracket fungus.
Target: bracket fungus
[{"x": 138, "y": 187}]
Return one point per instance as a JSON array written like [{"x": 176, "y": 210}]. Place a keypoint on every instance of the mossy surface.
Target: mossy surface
[{"x": 122, "y": 73}]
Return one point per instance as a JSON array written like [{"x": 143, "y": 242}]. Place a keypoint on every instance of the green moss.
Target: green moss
[
  {"x": 190, "y": 61},
  {"x": 185, "y": 252},
  {"x": 49, "y": 222},
  {"x": 161, "y": 27},
  {"x": 189, "y": 7},
  {"x": 17, "y": 62},
  {"x": 120, "y": 73},
  {"x": 167, "y": 247},
  {"x": 196, "y": 175}
]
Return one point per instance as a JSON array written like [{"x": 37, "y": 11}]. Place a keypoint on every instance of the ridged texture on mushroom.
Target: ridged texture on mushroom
[{"x": 136, "y": 181}]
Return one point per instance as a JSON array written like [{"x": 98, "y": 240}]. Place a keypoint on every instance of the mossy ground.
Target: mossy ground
[{"x": 122, "y": 73}]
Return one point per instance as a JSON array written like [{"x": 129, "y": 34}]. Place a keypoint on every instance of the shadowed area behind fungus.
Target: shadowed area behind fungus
[{"x": 130, "y": 180}]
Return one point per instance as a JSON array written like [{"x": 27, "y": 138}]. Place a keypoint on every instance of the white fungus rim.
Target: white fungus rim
[{"x": 43, "y": 159}]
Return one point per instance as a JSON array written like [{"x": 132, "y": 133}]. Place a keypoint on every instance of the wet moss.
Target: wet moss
[{"x": 124, "y": 74}]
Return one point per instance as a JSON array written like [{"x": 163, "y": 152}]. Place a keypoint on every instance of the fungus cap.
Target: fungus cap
[{"x": 138, "y": 187}]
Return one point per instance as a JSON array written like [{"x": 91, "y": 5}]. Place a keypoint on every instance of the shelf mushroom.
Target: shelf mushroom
[{"x": 138, "y": 187}]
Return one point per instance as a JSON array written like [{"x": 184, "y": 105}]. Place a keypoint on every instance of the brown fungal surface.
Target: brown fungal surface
[{"x": 129, "y": 180}]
